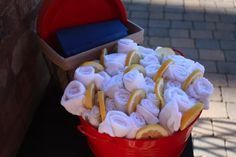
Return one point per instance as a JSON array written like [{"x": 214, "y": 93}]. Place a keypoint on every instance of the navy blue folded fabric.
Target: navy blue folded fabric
[{"x": 78, "y": 39}]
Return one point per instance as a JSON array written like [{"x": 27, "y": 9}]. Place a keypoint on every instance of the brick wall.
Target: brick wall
[{"x": 23, "y": 72}]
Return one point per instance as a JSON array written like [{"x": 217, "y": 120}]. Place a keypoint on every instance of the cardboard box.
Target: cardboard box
[{"x": 62, "y": 69}]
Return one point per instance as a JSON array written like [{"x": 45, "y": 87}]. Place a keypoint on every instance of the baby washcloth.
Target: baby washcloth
[
  {"x": 126, "y": 46},
  {"x": 113, "y": 85},
  {"x": 121, "y": 98},
  {"x": 134, "y": 80},
  {"x": 85, "y": 74},
  {"x": 152, "y": 69},
  {"x": 72, "y": 99},
  {"x": 150, "y": 85},
  {"x": 100, "y": 79},
  {"x": 148, "y": 60}
]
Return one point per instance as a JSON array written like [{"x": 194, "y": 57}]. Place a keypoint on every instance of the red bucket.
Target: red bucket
[{"x": 104, "y": 145}]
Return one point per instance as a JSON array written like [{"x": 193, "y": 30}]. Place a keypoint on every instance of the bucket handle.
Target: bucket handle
[{"x": 83, "y": 129}]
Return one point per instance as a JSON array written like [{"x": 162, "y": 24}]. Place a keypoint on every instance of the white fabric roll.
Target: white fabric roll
[
  {"x": 152, "y": 69},
  {"x": 126, "y": 45},
  {"x": 116, "y": 124},
  {"x": 72, "y": 99},
  {"x": 134, "y": 80},
  {"x": 152, "y": 97},
  {"x": 171, "y": 84},
  {"x": 149, "y": 106},
  {"x": 113, "y": 85},
  {"x": 148, "y": 116},
  {"x": 137, "y": 122},
  {"x": 121, "y": 98},
  {"x": 115, "y": 57},
  {"x": 179, "y": 96},
  {"x": 170, "y": 117},
  {"x": 146, "y": 51},
  {"x": 85, "y": 74},
  {"x": 100, "y": 79},
  {"x": 148, "y": 60},
  {"x": 201, "y": 89},
  {"x": 94, "y": 116},
  {"x": 110, "y": 104},
  {"x": 114, "y": 68},
  {"x": 150, "y": 85}
]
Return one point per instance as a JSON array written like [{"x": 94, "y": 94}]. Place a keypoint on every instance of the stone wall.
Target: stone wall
[{"x": 23, "y": 72}]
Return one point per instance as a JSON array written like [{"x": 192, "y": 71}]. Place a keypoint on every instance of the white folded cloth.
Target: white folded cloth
[
  {"x": 171, "y": 84},
  {"x": 179, "y": 96},
  {"x": 94, "y": 116},
  {"x": 147, "y": 51},
  {"x": 153, "y": 98},
  {"x": 134, "y": 80},
  {"x": 150, "y": 85},
  {"x": 113, "y": 85},
  {"x": 170, "y": 117},
  {"x": 150, "y": 106},
  {"x": 116, "y": 124},
  {"x": 85, "y": 74},
  {"x": 201, "y": 89},
  {"x": 152, "y": 69},
  {"x": 121, "y": 98},
  {"x": 148, "y": 60},
  {"x": 147, "y": 115},
  {"x": 110, "y": 104},
  {"x": 114, "y": 68},
  {"x": 100, "y": 79},
  {"x": 72, "y": 99},
  {"x": 126, "y": 45},
  {"x": 137, "y": 122}
]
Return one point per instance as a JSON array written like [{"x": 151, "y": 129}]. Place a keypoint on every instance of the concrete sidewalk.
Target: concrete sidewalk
[{"x": 205, "y": 30}]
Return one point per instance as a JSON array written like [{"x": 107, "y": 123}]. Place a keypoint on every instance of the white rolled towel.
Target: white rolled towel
[
  {"x": 152, "y": 69},
  {"x": 170, "y": 117},
  {"x": 150, "y": 85},
  {"x": 152, "y": 97},
  {"x": 137, "y": 122},
  {"x": 116, "y": 124},
  {"x": 171, "y": 84},
  {"x": 176, "y": 72},
  {"x": 113, "y": 85},
  {"x": 85, "y": 74},
  {"x": 121, "y": 98},
  {"x": 94, "y": 116},
  {"x": 100, "y": 79},
  {"x": 126, "y": 45},
  {"x": 115, "y": 57},
  {"x": 72, "y": 99},
  {"x": 114, "y": 68},
  {"x": 179, "y": 96},
  {"x": 146, "y": 51},
  {"x": 150, "y": 106},
  {"x": 134, "y": 80},
  {"x": 148, "y": 60},
  {"x": 110, "y": 104},
  {"x": 201, "y": 89}
]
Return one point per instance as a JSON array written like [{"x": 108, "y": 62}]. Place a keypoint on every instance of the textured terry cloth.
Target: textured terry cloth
[
  {"x": 170, "y": 117},
  {"x": 100, "y": 79},
  {"x": 148, "y": 60},
  {"x": 143, "y": 51},
  {"x": 153, "y": 98},
  {"x": 116, "y": 124},
  {"x": 150, "y": 106},
  {"x": 113, "y": 85},
  {"x": 94, "y": 116},
  {"x": 152, "y": 69},
  {"x": 81, "y": 38},
  {"x": 171, "y": 84},
  {"x": 201, "y": 89},
  {"x": 134, "y": 80},
  {"x": 126, "y": 45},
  {"x": 115, "y": 63},
  {"x": 72, "y": 99},
  {"x": 147, "y": 115},
  {"x": 137, "y": 122},
  {"x": 110, "y": 104},
  {"x": 85, "y": 74},
  {"x": 121, "y": 98},
  {"x": 179, "y": 96},
  {"x": 150, "y": 85}
]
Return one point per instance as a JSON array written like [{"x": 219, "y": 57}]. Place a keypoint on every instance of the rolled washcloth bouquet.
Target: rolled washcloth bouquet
[{"x": 138, "y": 92}]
